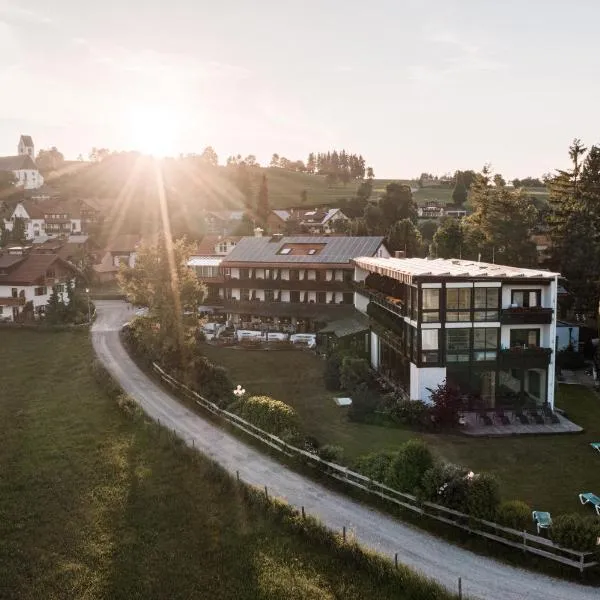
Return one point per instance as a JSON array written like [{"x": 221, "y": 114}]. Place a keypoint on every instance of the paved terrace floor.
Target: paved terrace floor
[{"x": 474, "y": 426}]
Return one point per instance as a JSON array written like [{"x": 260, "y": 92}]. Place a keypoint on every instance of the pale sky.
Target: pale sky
[{"x": 413, "y": 85}]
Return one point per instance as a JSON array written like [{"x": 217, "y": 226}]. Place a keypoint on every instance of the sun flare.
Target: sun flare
[{"x": 154, "y": 130}]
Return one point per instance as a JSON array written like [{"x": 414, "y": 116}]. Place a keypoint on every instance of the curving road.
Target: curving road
[{"x": 481, "y": 577}]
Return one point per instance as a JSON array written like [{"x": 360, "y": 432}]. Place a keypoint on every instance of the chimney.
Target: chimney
[
  {"x": 399, "y": 254},
  {"x": 276, "y": 237},
  {"x": 258, "y": 232}
]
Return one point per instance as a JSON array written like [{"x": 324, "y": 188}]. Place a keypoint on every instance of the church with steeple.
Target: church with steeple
[{"x": 23, "y": 167}]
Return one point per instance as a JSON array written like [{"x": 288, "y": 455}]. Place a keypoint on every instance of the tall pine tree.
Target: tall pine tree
[{"x": 262, "y": 202}]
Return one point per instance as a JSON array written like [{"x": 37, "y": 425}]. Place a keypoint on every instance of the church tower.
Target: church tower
[{"x": 26, "y": 147}]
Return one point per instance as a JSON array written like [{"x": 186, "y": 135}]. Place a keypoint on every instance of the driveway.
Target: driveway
[{"x": 482, "y": 577}]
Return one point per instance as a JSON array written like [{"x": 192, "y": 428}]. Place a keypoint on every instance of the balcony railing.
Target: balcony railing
[
  {"x": 526, "y": 316},
  {"x": 385, "y": 318},
  {"x": 287, "y": 284},
  {"x": 388, "y": 302},
  {"x": 274, "y": 308},
  {"x": 531, "y": 357}
]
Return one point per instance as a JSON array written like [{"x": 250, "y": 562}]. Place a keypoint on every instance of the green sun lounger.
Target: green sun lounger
[
  {"x": 542, "y": 520},
  {"x": 589, "y": 498},
  {"x": 595, "y": 446}
]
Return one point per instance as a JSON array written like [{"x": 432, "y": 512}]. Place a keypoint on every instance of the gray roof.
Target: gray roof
[
  {"x": 337, "y": 250},
  {"x": 14, "y": 163},
  {"x": 353, "y": 324}
]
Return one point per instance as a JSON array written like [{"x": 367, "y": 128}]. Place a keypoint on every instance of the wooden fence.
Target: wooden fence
[{"x": 520, "y": 540}]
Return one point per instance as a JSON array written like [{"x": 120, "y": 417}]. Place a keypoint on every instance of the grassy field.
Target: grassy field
[
  {"x": 95, "y": 504},
  {"x": 545, "y": 471}
]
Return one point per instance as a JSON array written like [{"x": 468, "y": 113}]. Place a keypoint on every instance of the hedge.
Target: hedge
[{"x": 269, "y": 414}]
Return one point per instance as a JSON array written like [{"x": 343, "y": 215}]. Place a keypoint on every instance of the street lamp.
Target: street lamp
[
  {"x": 239, "y": 392},
  {"x": 87, "y": 291}
]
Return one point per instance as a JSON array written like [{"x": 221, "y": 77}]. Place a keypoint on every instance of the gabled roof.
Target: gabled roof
[
  {"x": 207, "y": 246},
  {"x": 27, "y": 140},
  {"x": 33, "y": 209},
  {"x": 227, "y": 215},
  {"x": 333, "y": 250},
  {"x": 8, "y": 261},
  {"x": 33, "y": 269},
  {"x": 15, "y": 163},
  {"x": 284, "y": 215}
]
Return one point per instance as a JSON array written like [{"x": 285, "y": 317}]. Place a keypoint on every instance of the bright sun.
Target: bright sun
[{"x": 154, "y": 130}]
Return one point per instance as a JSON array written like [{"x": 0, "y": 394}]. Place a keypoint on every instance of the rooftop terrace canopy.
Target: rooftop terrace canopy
[{"x": 409, "y": 269}]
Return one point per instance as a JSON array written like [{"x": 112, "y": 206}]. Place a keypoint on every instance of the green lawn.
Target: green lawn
[
  {"x": 95, "y": 504},
  {"x": 546, "y": 471}
]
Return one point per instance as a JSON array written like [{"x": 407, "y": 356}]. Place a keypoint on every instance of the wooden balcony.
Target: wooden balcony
[
  {"x": 256, "y": 283},
  {"x": 526, "y": 316},
  {"x": 384, "y": 318},
  {"x": 301, "y": 310}
]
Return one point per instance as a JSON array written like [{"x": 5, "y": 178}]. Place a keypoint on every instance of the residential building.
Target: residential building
[
  {"x": 298, "y": 283},
  {"x": 121, "y": 250},
  {"x": 276, "y": 221},
  {"x": 488, "y": 329},
  {"x": 32, "y": 214},
  {"x": 27, "y": 281},
  {"x": 206, "y": 261},
  {"x": 23, "y": 165}
]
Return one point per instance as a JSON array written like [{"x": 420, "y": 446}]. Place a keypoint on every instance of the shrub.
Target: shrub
[
  {"x": 331, "y": 453},
  {"x": 515, "y": 514},
  {"x": 407, "y": 412},
  {"x": 271, "y": 415},
  {"x": 332, "y": 372},
  {"x": 483, "y": 496},
  {"x": 355, "y": 373},
  {"x": 441, "y": 484},
  {"x": 447, "y": 403},
  {"x": 209, "y": 380},
  {"x": 364, "y": 402},
  {"x": 375, "y": 465},
  {"x": 407, "y": 469},
  {"x": 576, "y": 532},
  {"x": 570, "y": 360}
]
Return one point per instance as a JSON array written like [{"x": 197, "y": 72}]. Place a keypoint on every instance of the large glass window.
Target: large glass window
[
  {"x": 485, "y": 343},
  {"x": 525, "y": 338},
  {"x": 429, "y": 345},
  {"x": 244, "y": 294},
  {"x": 526, "y": 298},
  {"x": 269, "y": 295},
  {"x": 458, "y": 304},
  {"x": 486, "y": 304},
  {"x": 413, "y": 302},
  {"x": 458, "y": 345},
  {"x": 431, "y": 305}
]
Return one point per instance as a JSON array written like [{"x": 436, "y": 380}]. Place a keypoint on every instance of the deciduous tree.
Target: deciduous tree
[
  {"x": 209, "y": 156},
  {"x": 397, "y": 203},
  {"x": 403, "y": 235}
]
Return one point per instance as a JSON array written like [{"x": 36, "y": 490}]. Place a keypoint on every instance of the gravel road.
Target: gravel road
[{"x": 481, "y": 577}]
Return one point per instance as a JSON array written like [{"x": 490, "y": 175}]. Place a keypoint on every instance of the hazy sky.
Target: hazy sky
[{"x": 413, "y": 85}]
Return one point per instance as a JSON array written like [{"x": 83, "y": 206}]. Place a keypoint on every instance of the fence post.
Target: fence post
[
  {"x": 460, "y": 588},
  {"x": 581, "y": 563},
  {"x": 237, "y": 474},
  {"x": 266, "y": 493},
  {"x": 344, "y": 533},
  {"x": 396, "y": 560},
  {"x": 303, "y": 513},
  {"x": 524, "y": 541}
]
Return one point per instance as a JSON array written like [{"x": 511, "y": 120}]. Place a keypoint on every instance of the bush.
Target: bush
[
  {"x": 376, "y": 465},
  {"x": 515, "y": 514},
  {"x": 483, "y": 496},
  {"x": 445, "y": 484},
  {"x": 576, "y": 532},
  {"x": 570, "y": 360},
  {"x": 209, "y": 380},
  {"x": 332, "y": 372},
  {"x": 447, "y": 403},
  {"x": 355, "y": 373},
  {"x": 331, "y": 453},
  {"x": 408, "y": 467},
  {"x": 414, "y": 413},
  {"x": 271, "y": 415},
  {"x": 364, "y": 402}
]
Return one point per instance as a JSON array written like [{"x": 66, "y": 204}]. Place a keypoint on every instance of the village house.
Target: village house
[
  {"x": 223, "y": 222},
  {"x": 121, "y": 250},
  {"x": 23, "y": 165},
  {"x": 299, "y": 283},
  {"x": 27, "y": 280},
  {"x": 487, "y": 329}
]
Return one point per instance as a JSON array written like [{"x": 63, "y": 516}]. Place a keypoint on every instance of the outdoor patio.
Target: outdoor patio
[{"x": 491, "y": 424}]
